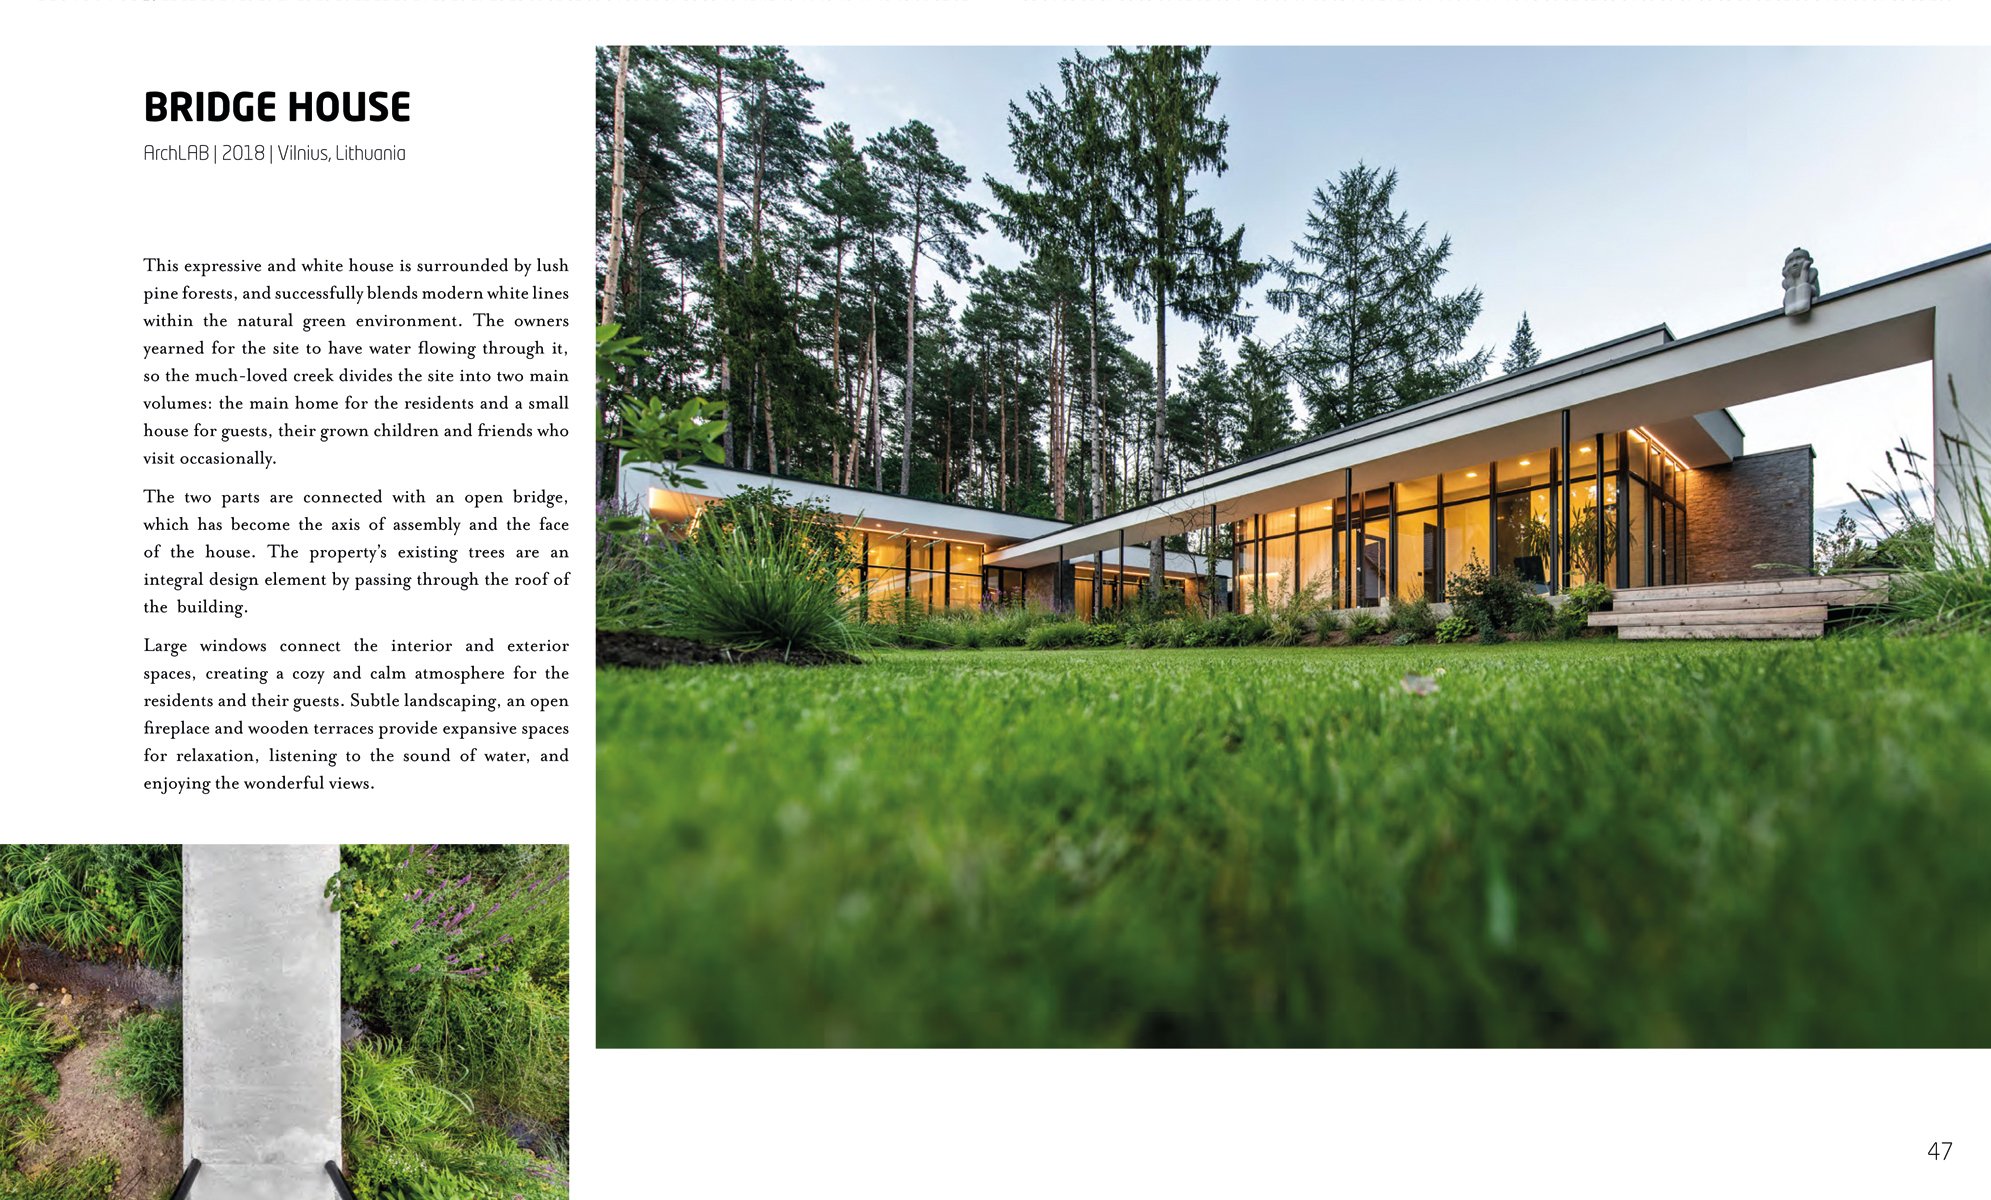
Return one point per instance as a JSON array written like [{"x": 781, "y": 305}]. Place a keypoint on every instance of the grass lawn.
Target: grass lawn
[{"x": 1567, "y": 844}]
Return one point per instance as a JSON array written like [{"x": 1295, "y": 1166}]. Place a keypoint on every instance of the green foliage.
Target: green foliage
[
  {"x": 1587, "y": 598},
  {"x": 1454, "y": 628},
  {"x": 31, "y": 1130},
  {"x": 1522, "y": 352},
  {"x": 1536, "y": 618},
  {"x": 1363, "y": 625},
  {"x": 145, "y": 1063},
  {"x": 1941, "y": 583},
  {"x": 409, "y": 1137},
  {"x": 1585, "y": 844},
  {"x": 1415, "y": 619},
  {"x": 29, "y": 1047},
  {"x": 61, "y": 1179},
  {"x": 105, "y": 902},
  {"x": 460, "y": 953},
  {"x": 1490, "y": 602},
  {"x": 1374, "y": 332},
  {"x": 656, "y": 435},
  {"x": 1298, "y": 616},
  {"x": 754, "y": 582},
  {"x": 1058, "y": 635}
]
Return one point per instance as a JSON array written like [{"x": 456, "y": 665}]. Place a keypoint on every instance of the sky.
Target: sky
[{"x": 1600, "y": 190}]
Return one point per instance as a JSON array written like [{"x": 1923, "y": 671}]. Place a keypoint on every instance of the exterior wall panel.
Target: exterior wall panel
[{"x": 1756, "y": 509}]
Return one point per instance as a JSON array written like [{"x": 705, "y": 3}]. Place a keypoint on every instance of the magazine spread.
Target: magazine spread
[{"x": 1281, "y": 598}]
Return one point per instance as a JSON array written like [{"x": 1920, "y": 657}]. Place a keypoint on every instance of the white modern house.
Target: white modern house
[{"x": 1619, "y": 463}]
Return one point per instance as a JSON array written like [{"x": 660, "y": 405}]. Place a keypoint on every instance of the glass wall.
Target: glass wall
[
  {"x": 896, "y": 569},
  {"x": 1618, "y": 497}
]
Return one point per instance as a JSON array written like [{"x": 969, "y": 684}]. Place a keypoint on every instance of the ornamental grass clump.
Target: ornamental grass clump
[
  {"x": 1942, "y": 568},
  {"x": 103, "y": 902},
  {"x": 756, "y": 583},
  {"x": 145, "y": 1063}
]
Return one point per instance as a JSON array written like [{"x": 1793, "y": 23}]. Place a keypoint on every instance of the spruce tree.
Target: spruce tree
[
  {"x": 1375, "y": 333},
  {"x": 1521, "y": 352},
  {"x": 1169, "y": 255}
]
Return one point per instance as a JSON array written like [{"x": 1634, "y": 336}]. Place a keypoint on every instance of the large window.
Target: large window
[
  {"x": 1509, "y": 514},
  {"x": 895, "y": 569}
]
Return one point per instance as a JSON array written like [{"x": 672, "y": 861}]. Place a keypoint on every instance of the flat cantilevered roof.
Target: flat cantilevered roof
[
  {"x": 1677, "y": 388},
  {"x": 875, "y": 511}
]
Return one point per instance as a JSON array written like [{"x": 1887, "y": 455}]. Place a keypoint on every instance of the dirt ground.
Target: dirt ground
[
  {"x": 90, "y": 1117},
  {"x": 648, "y": 650}
]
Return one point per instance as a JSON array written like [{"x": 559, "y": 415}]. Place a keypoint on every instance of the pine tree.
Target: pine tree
[
  {"x": 1063, "y": 145},
  {"x": 851, "y": 212},
  {"x": 1521, "y": 352},
  {"x": 1375, "y": 333},
  {"x": 1167, "y": 255},
  {"x": 925, "y": 186}
]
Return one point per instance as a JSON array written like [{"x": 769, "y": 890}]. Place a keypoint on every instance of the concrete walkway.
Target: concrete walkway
[{"x": 261, "y": 1007}]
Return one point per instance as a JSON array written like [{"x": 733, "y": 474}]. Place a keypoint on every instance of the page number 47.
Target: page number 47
[{"x": 1939, "y": 1150}]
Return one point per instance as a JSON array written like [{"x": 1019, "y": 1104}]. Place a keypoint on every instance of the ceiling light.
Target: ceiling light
[
  {"x": 1584, "y": 450},
  {"x": 1524, "y": 462},
  {"x": 1472, "y": 474}
]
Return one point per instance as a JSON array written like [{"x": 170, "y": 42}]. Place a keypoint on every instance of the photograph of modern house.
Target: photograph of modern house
[
  {"x": 978, "y": 664},
  {"x": 1620, "y": 464}
]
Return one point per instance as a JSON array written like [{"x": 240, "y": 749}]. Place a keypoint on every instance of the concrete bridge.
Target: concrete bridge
[{"x": 261, "y": 1011}]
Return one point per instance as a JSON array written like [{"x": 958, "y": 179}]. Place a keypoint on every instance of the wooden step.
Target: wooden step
[
  {"x": 1812, "y": 615},
  {"x": 1647, "y": 633},
  {"x": 1770, "y": 600},
  {"x": 1803, "y": 584}
]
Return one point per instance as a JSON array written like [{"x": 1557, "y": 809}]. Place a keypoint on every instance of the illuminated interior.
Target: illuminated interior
[{"x": 1528, "y": 514}]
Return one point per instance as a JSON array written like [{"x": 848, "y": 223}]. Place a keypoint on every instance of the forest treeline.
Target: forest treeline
[{"x": 771, "y": 261}]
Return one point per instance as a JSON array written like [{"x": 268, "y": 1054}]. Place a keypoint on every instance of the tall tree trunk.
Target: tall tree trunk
[
  {"x": 607, "y": 457},
  {"x": 1156, "y": 551},
  {"x": 767, "y": 417},
  {"x": 719, "y": 230},
  {"x": 912, "y": 316},
  {"x": 1092, "y": 371},
  {"x": 877, "y": 447},
  {"x": 1002, "y": 461},
  {"x": 610, "y": 274}
]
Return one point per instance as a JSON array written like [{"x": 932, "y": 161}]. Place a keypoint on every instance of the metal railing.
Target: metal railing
[{"x": 339, "y": 1183}]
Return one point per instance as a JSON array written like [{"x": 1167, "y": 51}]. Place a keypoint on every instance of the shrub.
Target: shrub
[
  {"x": 1454, "y": 628},
  {"x": 1404, "y": 638},
  {"x": 753, "y": 583},
  {"x": 1489, "y": 601},
  {"x": 1363, "y": 626},
  {"x": 1413, "y": 618},
  {"x": 1297, "y": 616},
  {"x": 145, "y": 1063},
  {"x": 460, "y": 953},
  {"x": 1535, "y": 617},
  {"x": 408, "y": 1137},
  {"x": 1059, "y": 635},
  {"x": 1587, "y": 598},
  {"x": 1235, "y": 629}
]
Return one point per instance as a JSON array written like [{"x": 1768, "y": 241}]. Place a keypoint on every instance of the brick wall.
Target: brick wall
[{"x": 1756, "y": 509}]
